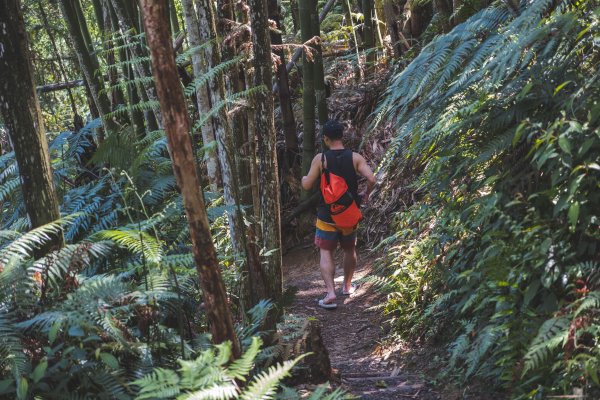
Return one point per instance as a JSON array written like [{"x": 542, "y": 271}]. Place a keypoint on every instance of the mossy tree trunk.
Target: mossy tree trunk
[
  {"x": 235, "y": 82},
  {"x": 227, "y": 159},
  {"x": 200, "y": 68},
  {"x": 177, "y": 127},
  {"x": 22, "y": 116},
  {"x": 266, "y": 150}
]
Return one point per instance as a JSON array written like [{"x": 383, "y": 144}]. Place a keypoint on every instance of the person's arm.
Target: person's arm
[
  {"x": 309, "y": 180},
  {"x": 364, "y": 170}
]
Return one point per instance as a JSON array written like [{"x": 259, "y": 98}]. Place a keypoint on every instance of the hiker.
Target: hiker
[{"x": 333, "y": 163}]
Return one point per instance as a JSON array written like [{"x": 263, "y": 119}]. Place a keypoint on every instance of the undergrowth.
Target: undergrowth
[{"x": 498, "y": 257}]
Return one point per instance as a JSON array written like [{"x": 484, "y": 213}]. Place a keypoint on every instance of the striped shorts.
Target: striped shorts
[{"x": 328, "y": 235}]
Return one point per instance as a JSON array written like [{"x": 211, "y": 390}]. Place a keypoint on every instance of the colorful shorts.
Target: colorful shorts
[{"x": 328, "y": 235}]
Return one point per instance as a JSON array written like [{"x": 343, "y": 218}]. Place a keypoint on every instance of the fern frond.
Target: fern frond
[
  {"x": 241, "y": 367},
  {"x": 552, "y": 333},
  {"x": 264, "y": 385}
]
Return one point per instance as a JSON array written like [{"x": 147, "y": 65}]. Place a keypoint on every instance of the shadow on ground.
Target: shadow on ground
[{"x": 352, "y": 331}]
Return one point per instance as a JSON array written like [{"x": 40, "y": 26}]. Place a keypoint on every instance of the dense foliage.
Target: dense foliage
[{"x": 497, "y": 122}]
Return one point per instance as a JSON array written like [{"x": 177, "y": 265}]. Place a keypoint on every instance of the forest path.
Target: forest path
[{"x": 351, "y": 332}]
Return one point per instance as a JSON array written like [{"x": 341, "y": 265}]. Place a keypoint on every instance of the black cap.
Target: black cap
[{"x": 333, "y": 129}]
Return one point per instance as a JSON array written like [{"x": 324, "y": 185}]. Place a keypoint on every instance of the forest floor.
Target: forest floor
[{"x": 352, "y": 333}]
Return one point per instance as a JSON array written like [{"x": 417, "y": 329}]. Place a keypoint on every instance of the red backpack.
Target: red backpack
[{"x": 340, "y": 202}]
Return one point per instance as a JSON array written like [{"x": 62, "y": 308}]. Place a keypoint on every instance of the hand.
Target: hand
[{"x": 364, "y": 198}]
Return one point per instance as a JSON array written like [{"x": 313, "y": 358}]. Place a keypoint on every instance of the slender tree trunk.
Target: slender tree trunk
[
  {"x": 458, "y": 14},
  {"x": 243, "y": 238},
  {"x": 136, "y": 116},
  {"x": 22, "y": 116},
  {"x": 420, "y": 15},
  {"x": 358, "y": 71},
  {"x": 227, "y": 160},
  {"x": 295, "y": 17},
  {"x": 252, "y": 134},
  {"x": 200, "y": 68},
  {"x": 298, "y": 52},
  {"x": 116, "y": 96},
  {"x": 99, "y": 13},
  {"x": 319, "y": 74},
  {"x": 57, "y": 53},
  {"x": 391, "y": 18},
  {"x": 177, "y": 128},
  {"x": 308, "y": 90},
  {"x": 266, "y": 150},
  {"x": 83, "y": 26},
  {"x": 128, "y": 27},
  {"x": 235, "y": 83},
  {"x": 285, "y": 101},
  {"x": 89, "y": 66},
  {"x": 444, "y": 9},
  {"x": 175, "y": 29},
  {"x": 369, "y": 32}
]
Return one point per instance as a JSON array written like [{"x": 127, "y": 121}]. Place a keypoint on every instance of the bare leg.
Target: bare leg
[
  {"x": 328, "y": 272},
  {"x": 349, "y": 267}
]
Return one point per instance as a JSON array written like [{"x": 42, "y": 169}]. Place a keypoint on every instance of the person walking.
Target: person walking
[{"x": 346, "y": 164}]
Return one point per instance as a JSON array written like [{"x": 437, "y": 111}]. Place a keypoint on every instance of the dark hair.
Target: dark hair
[{"x": 333, "y": 129}]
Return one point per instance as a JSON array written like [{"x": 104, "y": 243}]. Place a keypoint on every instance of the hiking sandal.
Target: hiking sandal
[
  {"x": 353, "y": 289},
  {"x": 327, "y": 306}
]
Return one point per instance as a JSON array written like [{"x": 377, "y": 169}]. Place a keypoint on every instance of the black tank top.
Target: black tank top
[{"x": 340, "y": 163}]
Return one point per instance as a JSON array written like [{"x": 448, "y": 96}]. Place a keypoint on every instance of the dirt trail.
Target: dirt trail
[{"x": 351, "y": 332}]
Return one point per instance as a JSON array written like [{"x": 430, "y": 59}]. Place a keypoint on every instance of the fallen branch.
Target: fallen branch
[{"x": 52, "y": 87}]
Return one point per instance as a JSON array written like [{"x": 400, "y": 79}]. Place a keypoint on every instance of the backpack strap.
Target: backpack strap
[{"x": 324, "y": 170}]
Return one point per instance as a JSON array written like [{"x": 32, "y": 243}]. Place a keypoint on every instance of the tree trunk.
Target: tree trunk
[
  {"x": 208, "y": 134},
  {"x": 136, "y": 116},
  {"x": 266, "y": 150},
  {"x": 57, "y": 53},
  {"x": 458, "y": 12},
  {"x": 116, "y": 96},
  {"x": 82, "y": 23},
  {"x": 369, "y": 32},
  {"x": 227, "y": 160},
  {"x": 22, "y": 116},
  {"x": 308, "y": 90},
  {"x": 298, "y": 52},
  {"x": 319, "y": 74},
  {"x": 88, "y": 62},
  {"x": 419, "y": 17},
  {"x": 391, "y": 18},
  {"x": 235, "y": 83},
  {"x": 358, "y": 72},
  {"x": 444, "y": 9},
  {"x": 254, "y": 161},
  {"x": 101, "y": 17},
  {"x": 177, "y": 128},
  {"x": 285, "y": 102},
  {"x": 175, "y": 29},
  {"x": 294, "y": 11},
  {"x": 127, "y": 25}
]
